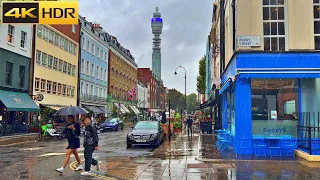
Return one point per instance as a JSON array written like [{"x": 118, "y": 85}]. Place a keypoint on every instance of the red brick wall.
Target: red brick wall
[
  {"x": 66, "y": 29},
  {"x": 145, "y": 76}
]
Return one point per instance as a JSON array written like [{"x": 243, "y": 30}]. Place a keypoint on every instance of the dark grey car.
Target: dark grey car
[{"x": 146, "y": 133}]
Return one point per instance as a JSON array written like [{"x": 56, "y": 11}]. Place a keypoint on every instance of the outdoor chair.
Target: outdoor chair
[
  {"x": 259, "y": 145},
  {"x": 287, "y": 145}
]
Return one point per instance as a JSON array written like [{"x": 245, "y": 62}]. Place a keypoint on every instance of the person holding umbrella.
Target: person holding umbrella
[{"x": 73, "y": 132}]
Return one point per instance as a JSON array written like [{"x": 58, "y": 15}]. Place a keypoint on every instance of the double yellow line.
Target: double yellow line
[{"x": 73, "y": 166}]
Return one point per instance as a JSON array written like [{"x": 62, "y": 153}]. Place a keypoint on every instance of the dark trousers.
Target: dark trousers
[
  {"x": 189, "y": 129},
  {"x": 88, "y": 158}
]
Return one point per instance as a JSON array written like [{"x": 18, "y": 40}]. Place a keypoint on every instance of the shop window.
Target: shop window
[
  {"x": 59, "y": 88},
  {"x": 43, "y": 85},
  {"x": 55, "y": 63},
  {"x": 22, "y": 73},
  {"x": 60, "y": 65},
  {"x": 49, "y": 86},
  {"x": 37, "y": 84},
  {"x": 9, "y": 69},
  {"x": 39, "y": 32},
  {"x": 38, "y": 57},
  {"x": 50, "y": 61},
  {"x": 54, "y": 88},
  {"x": 44, "y": 59},
  {"x": 274, "y": 106}
]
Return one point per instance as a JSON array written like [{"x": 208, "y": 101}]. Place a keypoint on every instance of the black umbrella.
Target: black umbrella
[{"x": 70, "y": 110}]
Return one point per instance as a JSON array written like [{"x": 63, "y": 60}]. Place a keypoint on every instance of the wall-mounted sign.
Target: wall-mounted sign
[
  {"x": 274, "y": 114},
  {"x": 248, "y": 41}
]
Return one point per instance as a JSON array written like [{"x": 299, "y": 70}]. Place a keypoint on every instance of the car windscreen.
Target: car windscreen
[
  {"x": 113, "y": 120},
  {"x": 146, "y": 125}
]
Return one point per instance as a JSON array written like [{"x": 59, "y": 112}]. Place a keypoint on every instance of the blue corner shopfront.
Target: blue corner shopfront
[{"x": 270, "y": 95}]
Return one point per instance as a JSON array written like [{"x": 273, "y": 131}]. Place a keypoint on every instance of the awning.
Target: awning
[
  {"x": 105, "y": 110},
  {"x": 117, "y": 105},
  {"x": 125, "y": 108},
  {"x": 136, "y": 109},
  {"x": 133, "y": 109},
  {"x": 94, "y": 109},
  {"x": 206, "y": 104},
  {"x": 225, "y": 87},
  {"x": 280, "y": 74},
  {"x": 52, "y": 106},
  {"x": 15, "y": 101}
]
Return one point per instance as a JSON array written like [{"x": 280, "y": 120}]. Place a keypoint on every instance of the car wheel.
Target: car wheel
[{"x": 116, "y": 129}]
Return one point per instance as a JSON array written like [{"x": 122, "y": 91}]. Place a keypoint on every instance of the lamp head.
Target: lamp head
[{"x": 175, "y": 73}]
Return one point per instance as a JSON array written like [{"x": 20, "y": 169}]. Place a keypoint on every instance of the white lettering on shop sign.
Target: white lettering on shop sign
[{"x": 248, "y": 41}]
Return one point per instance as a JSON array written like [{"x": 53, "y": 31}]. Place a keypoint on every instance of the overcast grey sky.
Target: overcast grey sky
[{"x": 186, "y": 25}]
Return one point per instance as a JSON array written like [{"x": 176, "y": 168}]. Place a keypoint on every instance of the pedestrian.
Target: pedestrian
[
  {"x": 73, "y": 134},
  {"x": 189, "y": 123},
  {"x": 90, "y": 144}
]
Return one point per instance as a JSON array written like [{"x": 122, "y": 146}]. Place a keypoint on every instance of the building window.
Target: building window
[
  {"x": 97, "y": 90},
  {"x": 74, "y": 47},
  {"x": 64, "y": 89},
  {"x": 87, "y": 88},
  {"x": 39, "y": 33},
  {"x": 43, "y": 85},
  {"x": 105, "y": 75},
  {"x": 65, "y": 66},
  {"x": 50, "y": 61},
  {"x": 105, "y": 92},
  {"x": 105, "y": 56},
  {"x": 55, "y": 63},
  {"x": 73, "y": 70},
  {"x": 91, "y": 89},
  {"x": 316, "y": 10},
  {"x": 23, "y": 39},
  {"x": 92, "y": 70},
  {"x": 82, "y": 42},
  {"x": 56, "y": 39},
  {"x": 54, "y": 88},
  {"x": 22, "y": 71},
  {"x": 101, "y": 92},
  {"x": 101, "y": 74},
  {"x": 72, "y": 92},
  {"x": 66, "y": 45},
  {"x": 69, "y": 68},
  {"x": 274, "y": 25},
  {"x": 101, "y": 54},
  {"x": 60, "y": 65},
  {"x": 68, "y": 90},
  {"x": 97, "y": 72},
  {"x": 73, "y": 28},
  {"x": 49, "y": 86},
  {"x": 81, "y": 87},
  {"x": 44, "y": 59},
  {"x": 51, "y": 36},
  {"x": 10, "y": 33},
  {"x": 88, "y": 46},
  {"x": 9, "y": 69},
  {"x": 87, "y": 68},
  {"x": 38, "y": 57},
  {"x": 61, "y": 42},
  {"x": 59, "y": 89},
  {"x": 45, "y": 33},
  {"x": 97, "y": 53},
  {"x": 92, "y": 49},
  {"x": 37, "y": 84}
]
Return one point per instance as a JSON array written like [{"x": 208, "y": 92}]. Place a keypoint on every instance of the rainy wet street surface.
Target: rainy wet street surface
[{"x": 183, "y": 158}]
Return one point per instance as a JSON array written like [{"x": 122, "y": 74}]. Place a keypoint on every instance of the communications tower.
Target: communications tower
[{"x": 156, "y": 26}]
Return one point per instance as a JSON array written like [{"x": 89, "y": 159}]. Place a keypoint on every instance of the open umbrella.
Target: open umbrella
[{"x": 70, "y": 110}]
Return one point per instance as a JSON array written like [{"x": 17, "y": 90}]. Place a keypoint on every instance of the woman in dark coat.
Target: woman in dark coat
[{"x": 73, "y": 134}]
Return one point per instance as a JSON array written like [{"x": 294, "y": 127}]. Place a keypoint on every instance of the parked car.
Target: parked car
[
  {"x": 146, "y": 133},
  {"x": 113, "y": 124}
]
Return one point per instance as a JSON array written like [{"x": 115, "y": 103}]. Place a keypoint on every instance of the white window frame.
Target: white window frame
[
  {"x": 91, "y": 89},
  {"x": 11, "y": 29},
  {"x": 73, "y": 29},
  {"x": 92, "y": 49},
  {"x": 88, "y": 68},
  {"x": 38, "y": 57},
  {"x": 316, "y": 20},
  {"x": 97, "y": 72},
  {"x": 101, "y": 73},
  {"x": 82, "y": 66},
  {"x": 285, "y": 21},
  {"x": 23, "y": 39},
  {"x": 92, "y": 70}
]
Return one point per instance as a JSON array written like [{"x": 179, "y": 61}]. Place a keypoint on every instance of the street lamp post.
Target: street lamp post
[{"x": 185, "y": 85}]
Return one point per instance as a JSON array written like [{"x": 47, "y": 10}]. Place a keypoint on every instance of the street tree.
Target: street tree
[
  {"x": 191, "y": 102},
  {"x": 201, "y": 79},
  {"x": 177, "y": 99}
]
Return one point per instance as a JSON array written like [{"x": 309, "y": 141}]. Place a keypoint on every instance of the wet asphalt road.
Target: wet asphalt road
[{"x": 38, "y": 160}]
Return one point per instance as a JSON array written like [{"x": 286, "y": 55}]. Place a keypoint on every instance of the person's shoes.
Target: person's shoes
[
  {"x": 79, "y": 168},
  {"x": 60, "y": 170},
  {"x": 86, "y": 173},
  {"x": 98, "y": 166}
]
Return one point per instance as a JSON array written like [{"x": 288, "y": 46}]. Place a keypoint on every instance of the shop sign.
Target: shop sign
[{"x": 248, "y": 41}]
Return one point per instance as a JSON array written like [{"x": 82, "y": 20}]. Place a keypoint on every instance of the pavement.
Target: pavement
[{"x": 182, "y": 158}]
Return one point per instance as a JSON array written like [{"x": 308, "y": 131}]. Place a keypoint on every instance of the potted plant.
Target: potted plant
[{"x": 177, "y": 125}]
